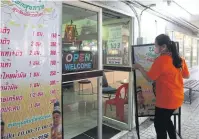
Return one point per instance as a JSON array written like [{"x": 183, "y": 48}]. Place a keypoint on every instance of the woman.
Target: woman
[{"x": 168, "y": 71}]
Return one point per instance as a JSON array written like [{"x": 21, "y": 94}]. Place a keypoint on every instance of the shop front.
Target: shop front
[
  {"x": 62, "y": 56},
  {"x": 105, "y": 36}
]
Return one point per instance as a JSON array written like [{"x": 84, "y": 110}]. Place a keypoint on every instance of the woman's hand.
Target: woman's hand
[
  {"x": 141, "y": 69},
  {"x": 137, "y": 66}
]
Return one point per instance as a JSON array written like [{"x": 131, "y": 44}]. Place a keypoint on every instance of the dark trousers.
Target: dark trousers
[{"x": 163, "y": 123}]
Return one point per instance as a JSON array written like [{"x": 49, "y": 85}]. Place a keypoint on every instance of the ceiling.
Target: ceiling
[{"x": 183, "y": 9}]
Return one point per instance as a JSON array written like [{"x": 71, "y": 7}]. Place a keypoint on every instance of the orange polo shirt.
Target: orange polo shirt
[{"x": 169, "y": 82}]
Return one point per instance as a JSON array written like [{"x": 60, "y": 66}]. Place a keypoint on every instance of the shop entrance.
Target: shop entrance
[
  {"x": 82, "y": 72},
  {"x": 81, "y": 68}
]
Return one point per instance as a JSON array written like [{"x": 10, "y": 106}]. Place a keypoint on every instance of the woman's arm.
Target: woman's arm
[
  {"x": 157, "y": 68},
  {"x": 144, "y": 73},
  {"x": 142, "y": 70}
]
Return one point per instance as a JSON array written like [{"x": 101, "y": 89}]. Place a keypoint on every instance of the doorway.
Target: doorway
[{"x": 81, "y": 68}]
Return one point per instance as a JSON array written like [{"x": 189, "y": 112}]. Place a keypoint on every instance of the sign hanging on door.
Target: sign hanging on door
[{"x": 77, "y": 61}]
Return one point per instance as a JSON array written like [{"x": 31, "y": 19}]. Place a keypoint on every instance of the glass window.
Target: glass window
[
  {"x": 170, "y": 34},
  {"x": 79, "y": 35},
  {"x": 116, "y": 79},
  {"x": 195, "y": 52},
  {"x": 116, "y": 42},
  {"x": 198, "y": 51},
  {"x": 187, "y": 50},
  {"x": 179, "y": 37}
]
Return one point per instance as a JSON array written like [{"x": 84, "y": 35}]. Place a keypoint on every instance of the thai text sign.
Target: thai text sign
[
  {"x": 114, "y": 60},
  {"x": 30, "y": 72},
  {"x": 145, "y": 56}
]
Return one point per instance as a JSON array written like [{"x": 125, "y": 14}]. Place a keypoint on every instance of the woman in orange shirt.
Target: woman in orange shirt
[{"x": 168, "y": 71}]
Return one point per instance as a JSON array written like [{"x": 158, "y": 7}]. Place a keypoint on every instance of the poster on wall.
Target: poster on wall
[
  {"x": 30, "y": 70},
  {"x": 145, "y": 100}
]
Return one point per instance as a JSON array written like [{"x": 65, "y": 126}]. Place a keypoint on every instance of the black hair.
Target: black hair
[
  {"x": 163, "y": 39},
  {"x": 56, "y": 111}
]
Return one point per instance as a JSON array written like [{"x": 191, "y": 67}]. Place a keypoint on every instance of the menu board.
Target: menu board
[
  {"x": 145, "y": 56},
  {"x": 145, "y": 91},
  {"x": 30, "y": 69}
]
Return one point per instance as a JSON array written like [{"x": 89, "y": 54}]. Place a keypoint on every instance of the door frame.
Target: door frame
[
  {"x": 130, "y": 123},
  {"x": 98, "y": 10}
]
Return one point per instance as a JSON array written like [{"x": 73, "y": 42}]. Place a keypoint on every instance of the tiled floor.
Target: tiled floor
[
  {"x": 189, "y": 124},
  {"x": 80, "y": 111}
]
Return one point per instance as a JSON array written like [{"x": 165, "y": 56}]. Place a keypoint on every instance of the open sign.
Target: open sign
[{"x": 77, "y": 61}]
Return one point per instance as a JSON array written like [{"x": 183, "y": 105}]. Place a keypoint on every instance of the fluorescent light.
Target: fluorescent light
[
  {"x": 174, "y": 10},
  {"x": 190, "y": 5}
]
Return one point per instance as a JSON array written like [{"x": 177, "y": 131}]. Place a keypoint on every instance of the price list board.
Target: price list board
[{"x": 30, "y": 52}]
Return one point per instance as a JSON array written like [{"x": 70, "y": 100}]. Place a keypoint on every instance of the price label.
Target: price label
[
  {"x": 114, "y": 44},
  {"x": 115, "y": 38}
]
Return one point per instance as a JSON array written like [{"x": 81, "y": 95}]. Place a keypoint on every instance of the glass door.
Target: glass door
[
  {"x": 117, "y": 90},
  {"x": 81, "y": 70}
]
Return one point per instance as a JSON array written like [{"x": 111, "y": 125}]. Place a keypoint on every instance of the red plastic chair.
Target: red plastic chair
[{"x": 119, "y": 101}]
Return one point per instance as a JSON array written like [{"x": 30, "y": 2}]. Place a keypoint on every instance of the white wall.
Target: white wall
[{"x": 151, "y": 25}]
